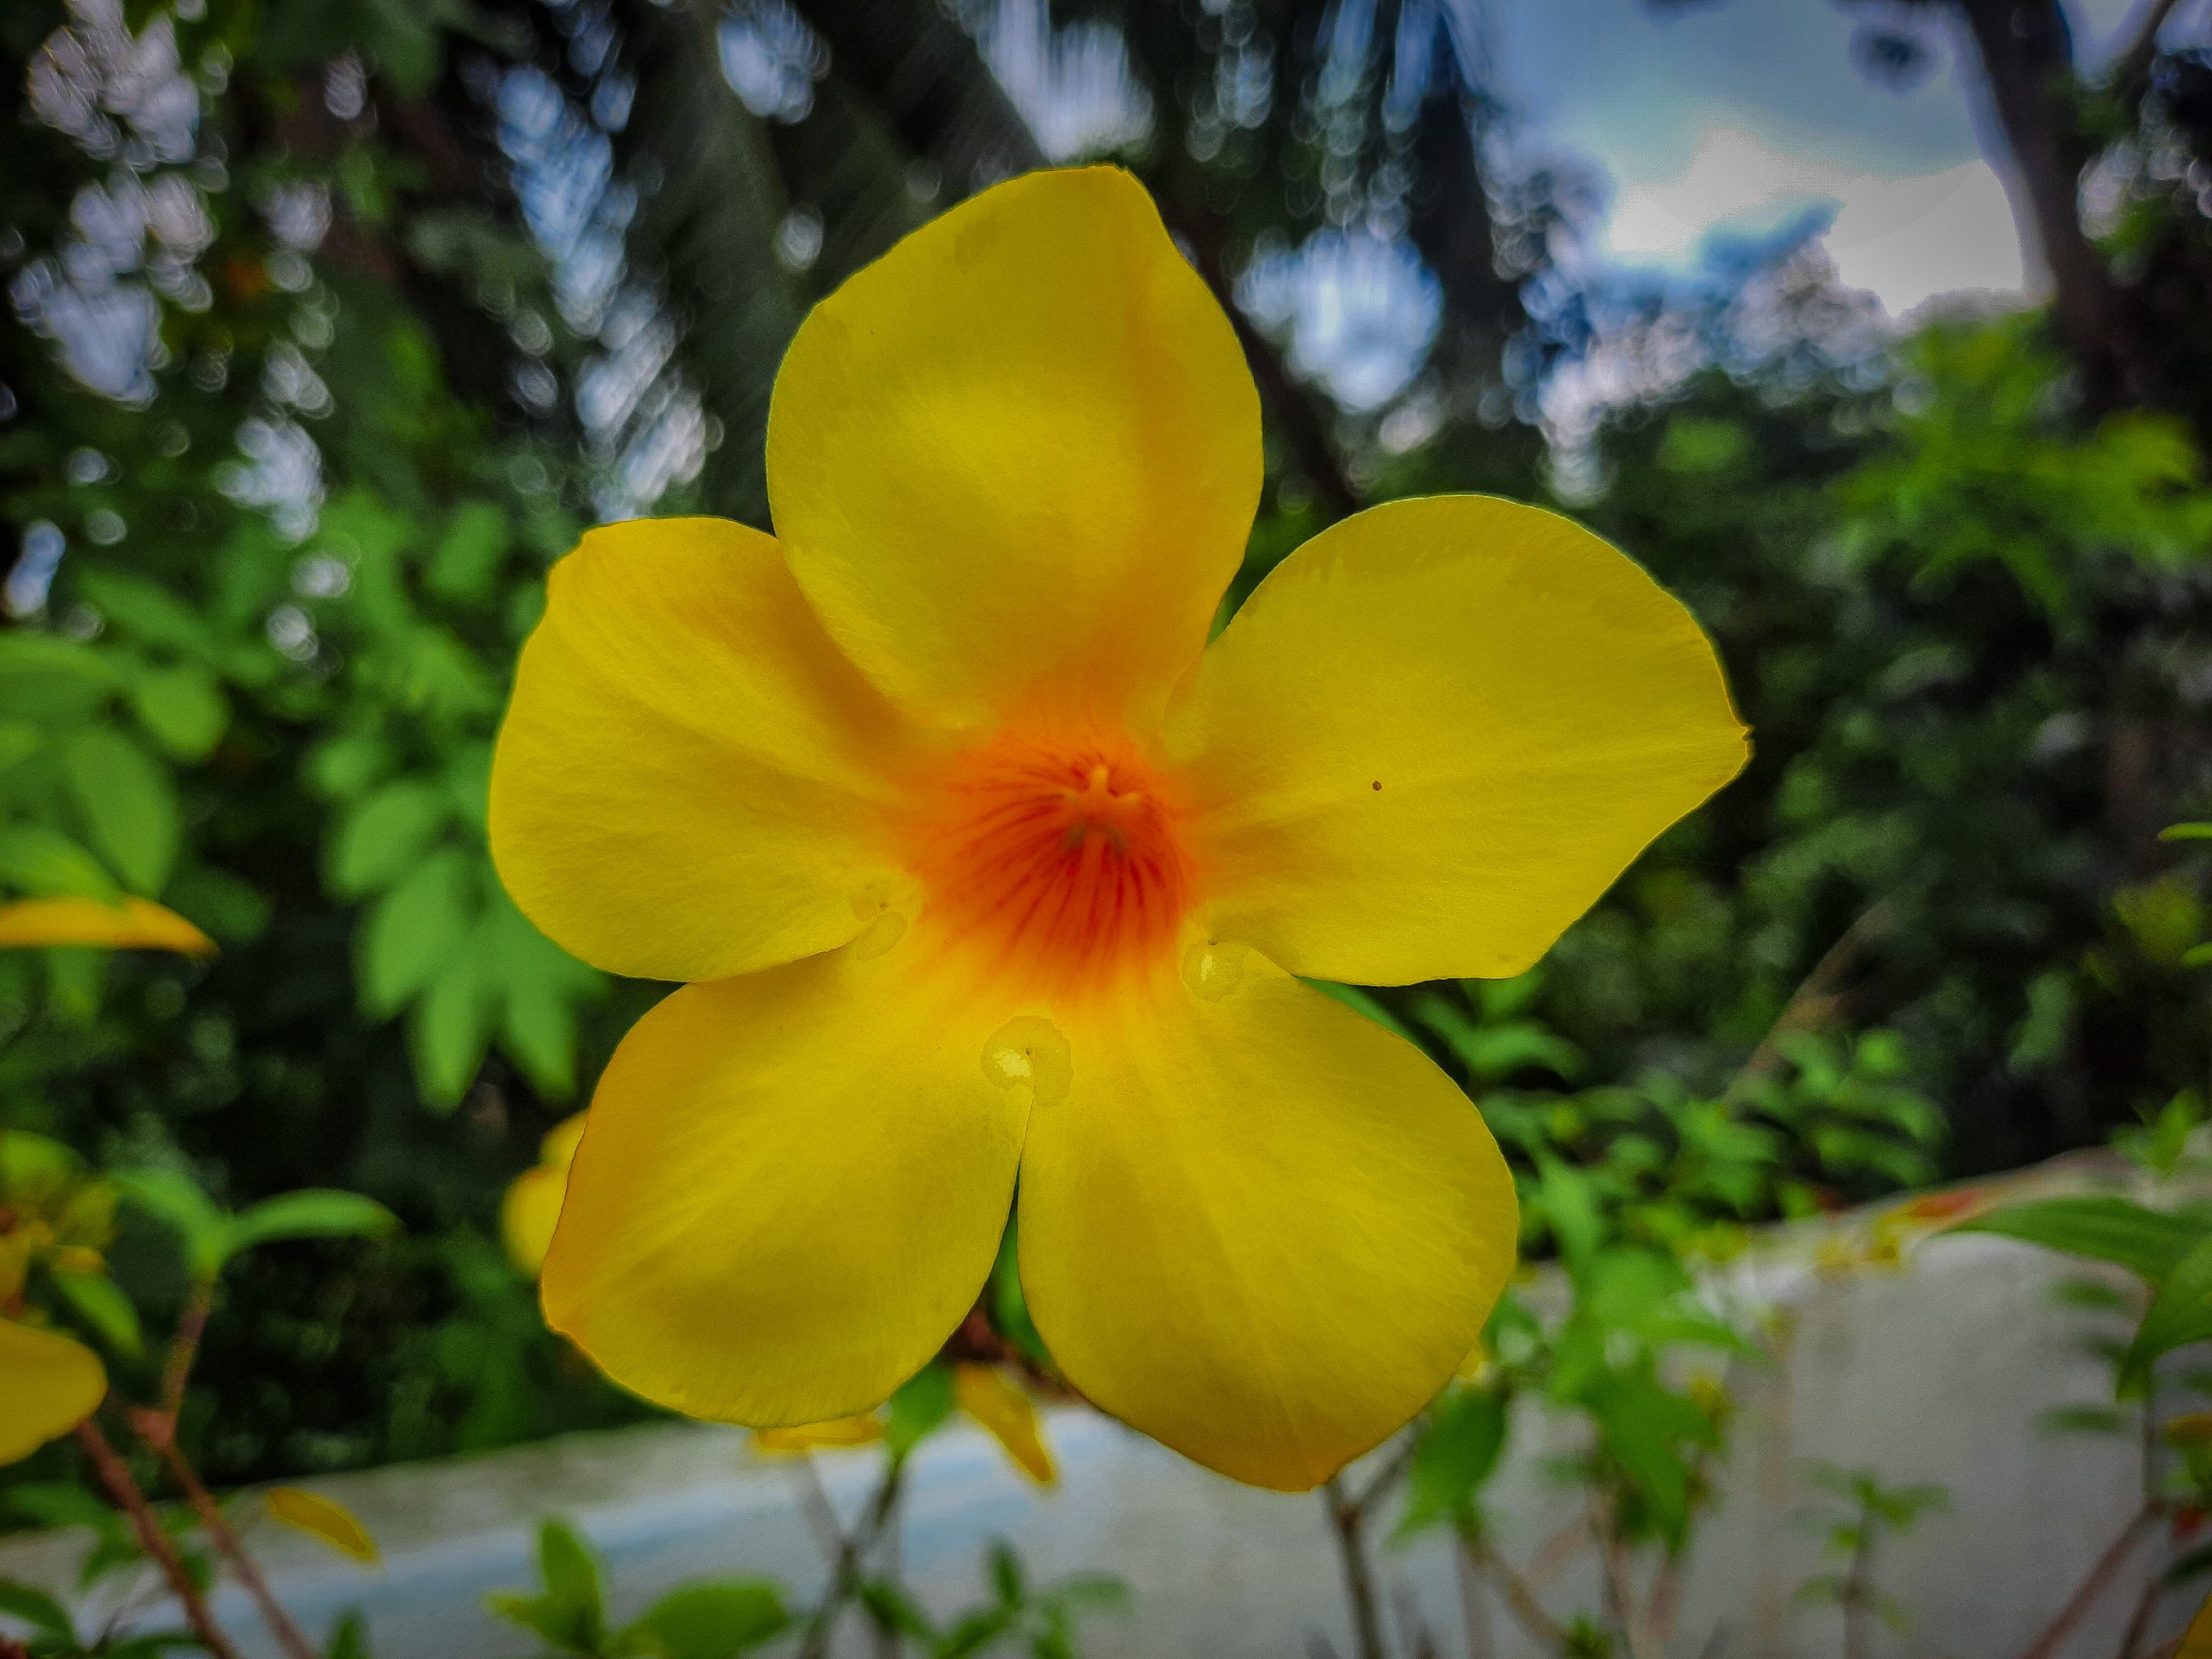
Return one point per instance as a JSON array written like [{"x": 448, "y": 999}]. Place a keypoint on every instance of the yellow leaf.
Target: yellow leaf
[
  {"x": 1008, "y": 1416},
  {"x": 808, "y": 1437},
  {"x": 324, "y": 1518},
  {"x": 134, "y": 924},
  {"x": 2197, "y": 1641}
]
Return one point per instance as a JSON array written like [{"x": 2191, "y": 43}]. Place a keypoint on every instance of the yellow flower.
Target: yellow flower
[
  {"x": 49, "y": 1384},
  {"x": 982, "y": 863},
  {"x": 532, "y": 1205},
  {"x": 130, "y": 925}
]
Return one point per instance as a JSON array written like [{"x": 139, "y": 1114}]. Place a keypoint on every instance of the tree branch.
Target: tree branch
[{"x": 2129, "y": 70}]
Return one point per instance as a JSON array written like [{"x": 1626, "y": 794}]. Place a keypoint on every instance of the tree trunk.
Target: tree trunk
[{"x": 2026, "y": 50}]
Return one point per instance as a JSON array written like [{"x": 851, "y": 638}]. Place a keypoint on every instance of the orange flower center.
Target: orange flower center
[{"x": 1059, "y": 860}]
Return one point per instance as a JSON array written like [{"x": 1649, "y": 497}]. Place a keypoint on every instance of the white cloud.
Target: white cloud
[{"x": 1906, "y": 239}]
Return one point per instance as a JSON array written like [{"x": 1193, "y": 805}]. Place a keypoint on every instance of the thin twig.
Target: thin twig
[
  {"x": 2139, "y": 1625},
  {"x": 114, "y": 1475},
  {"x": 1552, "y": 1556},
  {"x": 1387, "y": 1476},
  {"x": 1474, "y": 1616},
  {"x": 821, "y": 1513},
  {"x": 845, "y": 1574},
  {"x": 1345, "y": 1519},
  {"x": 1519, "y": 1595},
  {"x": 184, "y": 1348},
  {"x": 1620, "y": 1588},
  {"x": 1810, "y": 1003},
  {"x": 2085, "y": 1595},
  {"x": 158, "y": 1431}
]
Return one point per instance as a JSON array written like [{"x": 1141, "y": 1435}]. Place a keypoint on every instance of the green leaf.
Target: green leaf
[
  {"x": 313, "y": 1212},
  {"x": 716, "y": 1618},
  {"x": 923, "y": 1402},
  {"x": 128, "y": 805},
  {"x": 573, "y": 1585},
  {"x": 542, "y": 1615},
  {"x": 1008, "y": 1583},
  {"x": 387, "y": 831},
  {"x": 890, "y": 1608},
  {"x": 36, "y": 1608},
  {"x": 350, "y": 1640},
  {"x": 99, "y": 1302},
  {"x": 147, "y": 612},
  {"x": 44, "y": 863},
  {"x": 450, "y": 1027},
  {"x": 973, "y": 1632},
  {"x": 1570, "y": 1208},
  {"x": 415, "y": 929},
  {"x": 171, "y": 1195},
  {"x": 1456, "y": 1453},
  {"x": 2180, "y": 1314},
  {"x": 468, "y": 555},
  {"x": 2147, "y": 1242},
  {"x": 182, "y": 708}
]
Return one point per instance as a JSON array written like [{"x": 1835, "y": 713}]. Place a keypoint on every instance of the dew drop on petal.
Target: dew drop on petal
[
  {"x": 1213, "y": 970},
  {"x": 1030, "y": 1050},
  {"x": 878, "y": 936}
]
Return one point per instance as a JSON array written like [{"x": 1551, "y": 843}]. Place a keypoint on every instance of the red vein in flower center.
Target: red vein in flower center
[{"x": 1060, "y": 858}]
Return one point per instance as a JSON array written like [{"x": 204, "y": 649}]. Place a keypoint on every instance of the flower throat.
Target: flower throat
[{"x": 1059, "y": 860}]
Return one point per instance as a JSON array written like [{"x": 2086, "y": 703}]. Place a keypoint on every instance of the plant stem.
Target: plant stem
[
  {"x": 184, "y": 1348},
  {"x": 1520, "y": 1596},
  {"x": 1859, "y": 1591},
  {"x": 2139, "y": 1625},
  {"x": 2086, "y": 1594},
  {"x": 1474, "y": 1618},
  {"x": 1346, "y": 1519},
  {"x": 158, "y": 1431},
  {"x": 114, "y": 1475},
  {"x": 851, "y": 1551},
  {"x": 1620, "y": 1589}
]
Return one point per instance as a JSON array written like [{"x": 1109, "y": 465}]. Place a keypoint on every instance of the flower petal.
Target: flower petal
[
  {"x": 1260, "y": 1228},
  {"x": 325, "y": 1519},
  {"x": 687, "y": 781},
  {"x": 528, "y": 1214},
  {"x": 790, "y": 1189},
  {"x": 49, "y": 1384},
  {"x": 1017, "y": 458},
  {"x": 129, "y": 924},
  {"x": 1437, "y": 733},
  {"x": 1008, "y": 1415},
  {"x": 837, "y": 1433}
]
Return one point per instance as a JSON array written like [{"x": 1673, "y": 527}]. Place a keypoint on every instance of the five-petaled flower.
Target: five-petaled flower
[{"x": 995, "y": 882}]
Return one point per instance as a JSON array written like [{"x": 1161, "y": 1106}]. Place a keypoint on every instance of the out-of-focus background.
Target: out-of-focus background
[{"x": 1880, "y": 331}]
